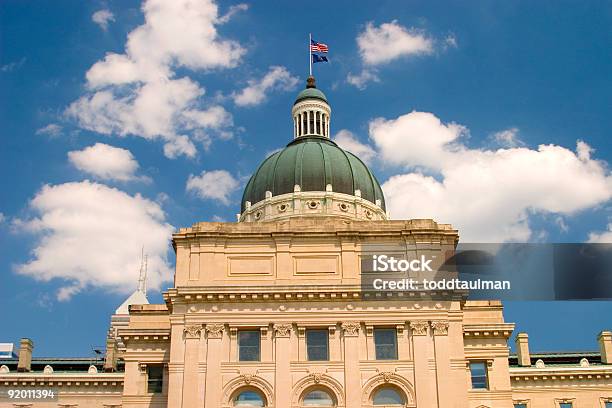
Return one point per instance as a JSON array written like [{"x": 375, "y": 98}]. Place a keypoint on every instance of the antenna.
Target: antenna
[{"x": 142, "y": 278}]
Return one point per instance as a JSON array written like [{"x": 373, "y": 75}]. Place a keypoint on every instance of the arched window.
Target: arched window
[
  {"x": 388, "y": 396},
  {"x": 318, "y": 398},
  {"x": 249, "y": 398}
]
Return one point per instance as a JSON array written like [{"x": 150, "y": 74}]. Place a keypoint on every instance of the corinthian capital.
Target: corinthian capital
[
  {"x": 215, "y": 330},
  {"x": 440, "y": 327},
  {"x": 351, "y": 328},
  {"x": 282, "y": 330},
  {"x": 192, "y": 332},
  {"x": 419, "y": 327}
]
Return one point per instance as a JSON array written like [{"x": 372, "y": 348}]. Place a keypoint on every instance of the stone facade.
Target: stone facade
[{"x": 281, "y": 279}]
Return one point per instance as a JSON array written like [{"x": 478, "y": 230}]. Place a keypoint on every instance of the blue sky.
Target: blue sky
[{"x": 493, "y": 117}]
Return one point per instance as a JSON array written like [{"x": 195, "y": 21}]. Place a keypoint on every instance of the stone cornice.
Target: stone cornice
[
  {"x": 295, "y": 293},
  {"x": 64, "y": 380},
  {"x": 155, "y": 335},
  {"x": 494, "y": 330},
  {"x": 530, "y": 374}
]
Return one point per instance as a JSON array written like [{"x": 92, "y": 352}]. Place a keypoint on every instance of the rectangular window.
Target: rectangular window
[
  {"x": 565, "y": 405},
  {"x": 608, "y": 404},
  {"x": 317, "y": 344},
  {"x": 478, "y": 372},
  {"x": 520, "y": 405},
  {"x": 249, "y": 343},
  {"x": 385, "y": 341},
  {"x": 155, "y": 379}
]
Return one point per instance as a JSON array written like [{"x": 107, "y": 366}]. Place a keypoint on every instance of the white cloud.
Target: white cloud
[
  {"x": 2, "y": 218},
  {"x": 361, "y": 80},
  {"x": 232, "y": 11},
  {"x": 136, "y": 93},
  {"x": 487, "y": 194},
  {"x": 604, "y": 237},
  {"x": 450, "y": 41},
  {"x": 389, "y": 41},
  {"x": 106, "y": 162},
  {"x": 13, "y": 66},
  {"x": 508, "y": 138},
  {"x": 102, "y": 18},
  {"x": 277, "y": 78},
  {"x": 51, "y": 130},
  {"x": 347, "y": 140},
  {"x": 91, "y": 235},
  {"x": 213, "y": 185}
]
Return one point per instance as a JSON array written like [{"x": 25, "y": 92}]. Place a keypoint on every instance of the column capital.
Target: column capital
[
  {"x": 282, "y": 330},
  {"x": 215, "y": 330},
  {"x": 192, "y": 331},
  {"x": 440, "y": 327},
  {"x": 351, "y": 328},
  {"x": 419, "y": 327}
]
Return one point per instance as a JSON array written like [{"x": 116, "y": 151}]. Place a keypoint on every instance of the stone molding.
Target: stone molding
[
  {"x": 351, "y": 329},
  {"x": 388, "y": 377},
  {"x": 282, "y": 330},
  {"x": 193, "y": 331},
  {"x": 313, "y": 203},
  {"x": 440, "y": 327},
  {"x": 419, "y": 327},
  {"x": 318, "y": 380},
  {"x": 215, "y": 330}
]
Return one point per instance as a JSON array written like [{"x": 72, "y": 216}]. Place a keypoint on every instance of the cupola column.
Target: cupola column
[{"x": 311, "y": 112}]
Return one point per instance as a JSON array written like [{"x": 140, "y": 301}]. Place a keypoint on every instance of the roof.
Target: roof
[
  {"x": 312, "y": 162},
  {"x": 560, "y": 358},
  {"x": 136, "y": 298},
  {"x": 311, "y": 93}
]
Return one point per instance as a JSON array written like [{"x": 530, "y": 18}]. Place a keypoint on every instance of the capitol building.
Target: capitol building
[{"x": 269, "y": 311}]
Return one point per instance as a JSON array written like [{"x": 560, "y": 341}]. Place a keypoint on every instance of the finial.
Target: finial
[
  {"x": 142, "y": 279},
  {"x": 310, "y": 82}
]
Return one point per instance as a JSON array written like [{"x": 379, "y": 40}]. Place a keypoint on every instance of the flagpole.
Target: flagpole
[{"x": 310, "y": 52}]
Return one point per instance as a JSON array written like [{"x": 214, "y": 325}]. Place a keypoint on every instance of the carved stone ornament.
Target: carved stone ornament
[
  {"x": 440, "y": 327},
  {"x": 247, "y": 378},
  {"x": 192, "y": 332},
  {"x": 215, "y": 330},
  {"x": 282, "y": 330},
  {"x": 351, "y": 328},
  {"x": 419, "y": 327},
  {"x": 386, "y": 375},
  {"x": 316, "y": 377}
]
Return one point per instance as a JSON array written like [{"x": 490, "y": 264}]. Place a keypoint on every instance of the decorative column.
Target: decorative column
[
  {"x": 192, "y": 334},
  {"x": 214, "y": 350},
  {"x": 282, "y": 379},
  {"x": 176, "y": 366},
  {"x": 443, "y": 368},
  {"x": 423, "y": 380},
  {"x": 352, "y": 376},
  {"x": 308, "y": 130}
]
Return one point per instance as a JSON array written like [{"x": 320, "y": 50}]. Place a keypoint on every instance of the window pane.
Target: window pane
[
  {"x": 318, "y": 398},
  {"x": 520, "y": 405},
  {"x": 478, "y": 372},
  {"x": 609, "y": 404},
  {"x": 317, "y": 342},
  {"x": 386, "y": 344},
  {"x": 155, "y": 375},
  {"x": 248, "y": 399},
  {"x": 387, "y": 396},
  {"x": 565, "y": 405},
  {"x": 248, "y": 345}
]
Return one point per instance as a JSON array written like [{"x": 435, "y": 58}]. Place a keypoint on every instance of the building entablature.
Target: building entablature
[
  {"x": 488, "y": 330},
  {"x": 297, "y": 227},
  {"x": 525, "y": 375},
  {"x": 64, "y": 379}
]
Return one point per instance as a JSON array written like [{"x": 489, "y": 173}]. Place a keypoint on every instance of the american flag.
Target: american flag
[{"x": 318, "y": 47}]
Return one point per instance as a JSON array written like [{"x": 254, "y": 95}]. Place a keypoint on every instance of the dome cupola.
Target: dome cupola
[
  {"x": 311, "y": 112},
  {"x": 312, "y": 176}
]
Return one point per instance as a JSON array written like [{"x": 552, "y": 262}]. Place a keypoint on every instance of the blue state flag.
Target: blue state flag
[{"x": 319, "y": 58}]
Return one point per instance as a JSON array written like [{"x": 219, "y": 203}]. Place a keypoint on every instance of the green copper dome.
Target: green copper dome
[
  {"x": 311, "y": 93},
  {"x": 312, "y": 163}
]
